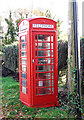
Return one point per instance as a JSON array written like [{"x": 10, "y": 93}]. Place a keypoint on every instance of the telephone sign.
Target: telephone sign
[{"x": 42, "y": 26}]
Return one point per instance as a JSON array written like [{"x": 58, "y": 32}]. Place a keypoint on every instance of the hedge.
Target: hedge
[
  {"x": 11, "y": 54},
  {"x": 11, "y": 57},
  {"x": 62, "y": 54},
  {"x": 82, "y": 64}
]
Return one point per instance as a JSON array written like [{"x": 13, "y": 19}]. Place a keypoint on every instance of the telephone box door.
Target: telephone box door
[{"x": 44, "y": 67}]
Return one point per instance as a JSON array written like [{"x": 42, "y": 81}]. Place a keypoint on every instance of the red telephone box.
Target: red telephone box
[{"x": 38, "y": 62}]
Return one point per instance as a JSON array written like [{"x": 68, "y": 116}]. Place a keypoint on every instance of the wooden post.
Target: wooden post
[
  {"x": 74, "y": 52},
  {"x": 71, "y": 52}
]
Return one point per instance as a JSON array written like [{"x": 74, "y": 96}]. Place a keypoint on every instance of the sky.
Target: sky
[{"x": 57, "y": 7}]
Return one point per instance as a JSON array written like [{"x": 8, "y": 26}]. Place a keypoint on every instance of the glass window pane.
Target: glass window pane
[
  {"x": 48, "y": 60},
  {"x": 23, "y": 46},
  {"x": 42, "y": 45},
  {"x": 52, "y": 82},
  {"x": 44, "y": 53},
  {"x": 44, "y": 68},
  {"x": 24, "y": 68},
  {"x": 24, "y": 82},
  {"x": 45, "y": 83},
  {"x": 44, "y": 91},
  {"x": 52, "y": 67},
  {"x": 43, "y": 38},
  {"x": 41, "y": 83},
  {"x": 36, "y": 53},
  {"x": 24, "y": 90},
  {"x": 23, "y": 39},
  {"x": 51, "y": 38},
  {"x": 35, "y": 45},
  {"x": 52, "y": 52},
  {"x": 23, "y": 53},
  {"x": 44, "y": 75},
  {"x": 24, "y": 75},
  {"x": 52, "y": 76},
  {"x": 43, "y": 60},
  {"x": 24, "y": 60},
  {"x": 36, "y": 75},
  {"x": 52, "y": 60},
  {"x": 35, "y": 37},
  {"x": 51, "y": 45}
]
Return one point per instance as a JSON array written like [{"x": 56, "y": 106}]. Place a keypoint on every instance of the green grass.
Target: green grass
[{"x": 13, "y": 108}]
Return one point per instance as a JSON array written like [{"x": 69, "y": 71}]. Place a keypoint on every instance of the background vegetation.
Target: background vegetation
[{"x": 11, "y": 106}]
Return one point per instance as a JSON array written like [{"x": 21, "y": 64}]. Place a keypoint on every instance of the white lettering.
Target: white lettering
[{"x": 42, "y": 26}]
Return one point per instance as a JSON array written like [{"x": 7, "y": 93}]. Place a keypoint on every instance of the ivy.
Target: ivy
[{"x": 73, "y": 98}]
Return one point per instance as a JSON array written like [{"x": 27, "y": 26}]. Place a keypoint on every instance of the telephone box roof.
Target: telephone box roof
[{"x": 30, "y": 19}]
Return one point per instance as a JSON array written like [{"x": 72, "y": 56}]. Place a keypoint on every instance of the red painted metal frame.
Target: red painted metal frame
[
  {"x": 51, "y": 98},
  {"x": 30, "y": 98}
]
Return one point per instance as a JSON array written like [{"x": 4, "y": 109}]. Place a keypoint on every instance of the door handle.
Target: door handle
[{"x": 33, "y": 60}]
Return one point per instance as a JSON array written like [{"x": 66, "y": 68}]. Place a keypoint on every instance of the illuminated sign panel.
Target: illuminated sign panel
[
  {"x": 24, "y": 26},
  {"x": 43, "y": 26}
]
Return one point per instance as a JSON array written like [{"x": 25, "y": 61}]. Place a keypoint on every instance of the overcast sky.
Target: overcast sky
[{"x": 57, "y": 7}]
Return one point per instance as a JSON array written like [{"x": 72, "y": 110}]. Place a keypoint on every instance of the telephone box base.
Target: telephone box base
[{"x": 42, "y": 106}]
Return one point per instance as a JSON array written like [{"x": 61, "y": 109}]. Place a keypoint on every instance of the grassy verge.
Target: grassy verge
[{"x": 13, "y": 108}]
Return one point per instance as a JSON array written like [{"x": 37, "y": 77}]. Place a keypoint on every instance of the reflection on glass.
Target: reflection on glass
[
  {"x": 42, "y": 38},
  {"x": 42, "y": 45},
  {"x": 24, "y": 90},
  {"x": 51, "y": 38},
  {"x": 44, "y": 83},
  {"x": 24, "y": 75},
  {"x": 24, "y": 68},
  {"x": 44, "y": 53},
  {"x": 41, "y": 53},
  {"x": 44, "y": 75},
  {"x": 23, "y": 46},
  {"x": 41, "y": 83},
  {"x": 52, "y": 67},
  {"x": 23, "y": 53},
  {"x": 52, "y": 60},
  {"x": 24, "y": 82},
  {"x": 52, "y": 82},
  {"x": 24, "y": 60},
  {"x": 48, "y": 60},
  {"x": 44, "y": 91},
  {"x": 52, "y": 76},
  {"x": 36, "y": 53},
  {"x": 52, "y": 52},
  {"x": 43, "y": 79},
  {"x": 44, "y": 68},
  {"x": 51, "y": 45},
  {"x": 23, "y": 39},
  {"x": 43, "y": 60}
]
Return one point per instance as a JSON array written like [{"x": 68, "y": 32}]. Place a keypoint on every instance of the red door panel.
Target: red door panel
[{"x": 44, "y": 67}]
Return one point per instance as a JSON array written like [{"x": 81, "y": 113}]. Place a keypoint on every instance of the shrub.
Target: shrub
[
  {"x": 11, "y": 57},
  {"x": 82, "y": 63},
  {"x": 62, "y": 54}
]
